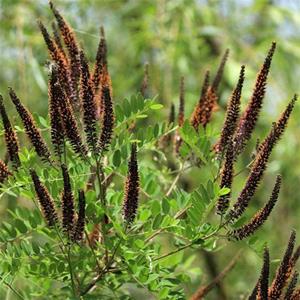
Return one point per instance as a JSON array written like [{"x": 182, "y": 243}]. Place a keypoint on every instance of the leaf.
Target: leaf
[
  {"x": 156, "y": 106},
  {"x": 117, "y": 158}
]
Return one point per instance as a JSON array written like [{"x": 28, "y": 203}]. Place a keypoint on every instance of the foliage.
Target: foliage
[{"x": 129, "y": 244}]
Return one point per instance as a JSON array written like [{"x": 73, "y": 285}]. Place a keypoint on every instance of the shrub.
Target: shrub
[{"x": 110, "y": 209}]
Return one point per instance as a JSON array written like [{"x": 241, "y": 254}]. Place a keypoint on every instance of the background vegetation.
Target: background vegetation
[{"x": 179, "y": 38}]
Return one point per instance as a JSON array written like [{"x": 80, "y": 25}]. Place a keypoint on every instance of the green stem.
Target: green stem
[{"x": 12, "y": 288}]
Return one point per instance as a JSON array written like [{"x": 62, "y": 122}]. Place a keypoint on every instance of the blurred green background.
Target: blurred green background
[{"x": 179, "y": 38}]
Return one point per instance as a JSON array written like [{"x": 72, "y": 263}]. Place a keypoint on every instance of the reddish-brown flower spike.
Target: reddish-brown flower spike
[
  {"x": 260, "y": 162},
  {"x": 62, "y": 64},
  {"x": 101, "y": 61},
  {"x": 88, "y": 104},
  {"x": 196, "y": 115},
  {"x": 260, "y": 217},
  {"x": 45, "y": 200},
  {"x": 232, "y": 114},
  {"x": 226, "y": 180},
  {"x": 57, "y": 130},
  {"x": 57, "y": 39},
  {"x": 177, "y": 138},
  {"x": 4, "y": 172},
  {"x": 181, "y": 103},
  {"x": 79, "y": 228},
  {"x": 249, "y": 118},
  {"x": 291, "y": 287},
  {"x": 217, "y": 80},
  {"x": 11, "y": 139},
  {"x": 108, "y": 120},
  {"x": 296, "y": 294},
  {"x": 31, "y": 129},
  {"x": 70, "y": 42},
  {"x": 165, "y": 140},
  {"x": 260, "y": 290},
  {"x": 130, "y": 203},
  {"x": 67, "y": 202},
  {"x": 70, "y": 127},
  {"x": 144, "y": 86},
  {"x": 282, "y": 273}
]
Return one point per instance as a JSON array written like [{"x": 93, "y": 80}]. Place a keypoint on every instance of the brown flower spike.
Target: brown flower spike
[
  {"x": 101, "y": 61},
  {"x": 31, "y": 129},
  {"x": 88, "y": 104},
  {"x": 177, "y": 138},
  {"x": 79, "y": 227},
  {"x": 70, "y": 42},
  {"x": 108, "y": 120},
  {"x": 260, "y": 217},
  {"x": 260, "y": 291},
  {"x": 226, "y": 180},
  {"x": 67, "y": 202},
  {"x": 249, "y": 118},
  {"x": 130, "y": 203},
  {"x": 57, "y": 130},
  {"x": 232, "y": 114},
  {"x": 218, "y": 77},
  {"x": 283, "y": 271},
  {"x": 45, "y": 200},
  {"x": 11, "y": 139},
  {"x": 4, "y": 172},
  {"x": 144, "y": 86},
  {"x": 260, "y": 162},
  {"x": 69, "y": 121},
  {"x": 63, "y": 67},
  {"x": 196, "y": 115}
]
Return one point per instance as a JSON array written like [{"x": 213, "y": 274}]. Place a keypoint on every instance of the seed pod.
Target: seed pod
[
  {"x": 31, "y": 129},
  {"x": 249, "y": 118},
  {"x": 45, "y": 200},
  {"x": 11, "y": 139},
  {"x": 130, "y": 203},
  {"x": 67, "y": 202}
]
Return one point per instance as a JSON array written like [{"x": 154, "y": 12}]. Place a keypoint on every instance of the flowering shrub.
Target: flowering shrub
[{"x": 105, "y": 206}]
